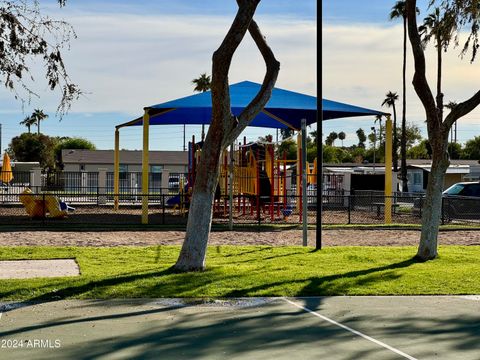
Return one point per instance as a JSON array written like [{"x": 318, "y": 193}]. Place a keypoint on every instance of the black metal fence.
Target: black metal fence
[{"x": 50, "y": 207}]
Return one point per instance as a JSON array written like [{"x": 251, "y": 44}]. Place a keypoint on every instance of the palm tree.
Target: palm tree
[
  {"x": 342, "y": 136},
  {"x": 28, "y": 122},
  {"x": 38, "y": 116},
  {"x": 440, "y": 28},
  {"x": 389, "y": 100},
  {"x": 361, "y": 138},
  {"x": 399, "y": 10},
  {"x": 202, "y": 84}
]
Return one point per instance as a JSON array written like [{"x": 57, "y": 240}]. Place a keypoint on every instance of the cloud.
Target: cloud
[
  {"x": 124, "y": 62},
  {"x": 361, "y": 62}
]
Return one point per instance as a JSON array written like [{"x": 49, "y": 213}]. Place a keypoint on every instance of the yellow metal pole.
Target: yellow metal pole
[
  {"x": 146, "y": 124},
  {"x": 388, "y": 170},
  {"x": 116, "y": 170}
]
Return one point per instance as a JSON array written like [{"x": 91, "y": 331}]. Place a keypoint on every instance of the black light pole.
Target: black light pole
[{"x": 318, "y": 238}]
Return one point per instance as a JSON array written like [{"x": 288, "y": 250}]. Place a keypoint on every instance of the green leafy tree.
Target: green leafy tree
[
  {"x": 288, "y": 147},
  {"x": 25, "y": 34},
  {"x": 455, "y": 151},
  {"x": 422, "y": 150},
  {"x": 335, "y": 155},
  {"x": 34, "y": 148},
  {"x": 471, "y": 151},
  {"x": 71, "y": 143}
]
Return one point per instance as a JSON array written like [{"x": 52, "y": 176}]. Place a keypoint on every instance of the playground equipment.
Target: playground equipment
[
  {"x": 39, "y": 206},
  {"x": 253, "y": 180}
]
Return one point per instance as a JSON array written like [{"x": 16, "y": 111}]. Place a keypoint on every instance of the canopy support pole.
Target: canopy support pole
[
  {"x": 146, "y": 124},
  {"x": 116, "y": 170},
  {"x": 388, "y": 170},
  {"x": 304, "y": 183}
]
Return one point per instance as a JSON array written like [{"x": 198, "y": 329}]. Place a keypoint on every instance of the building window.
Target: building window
[
  {"x": 417, "y": 178},
  {"x": 82, "y": 167},
  {"x": 156, "y": 168},
  {"x": 123, "y": 170}
]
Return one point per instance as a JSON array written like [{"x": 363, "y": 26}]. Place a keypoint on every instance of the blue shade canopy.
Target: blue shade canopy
[
  {"x": 334, "y": 110},
  {"x": 285, "y": 109}
]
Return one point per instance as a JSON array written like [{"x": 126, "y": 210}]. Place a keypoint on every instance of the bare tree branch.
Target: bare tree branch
[
  {"x": 261, "y": 99},
  {"x": 461, "y": 109},
  {"x": 419, "y": 79}
]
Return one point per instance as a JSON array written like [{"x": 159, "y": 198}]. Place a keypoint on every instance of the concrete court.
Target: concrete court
[{"x": 426, "y": 327}]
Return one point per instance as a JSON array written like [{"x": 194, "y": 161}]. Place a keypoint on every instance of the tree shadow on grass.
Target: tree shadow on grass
[
  {"x": 182, "y": 282},
  {"x": 337, "y": 284}
]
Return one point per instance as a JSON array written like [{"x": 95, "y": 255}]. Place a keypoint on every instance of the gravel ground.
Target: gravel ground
[{"x": 271, "y": 238}]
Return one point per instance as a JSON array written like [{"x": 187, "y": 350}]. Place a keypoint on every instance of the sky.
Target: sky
[
  {"x": 362, "y": 61},
  {"x": 132, "y": 54}
]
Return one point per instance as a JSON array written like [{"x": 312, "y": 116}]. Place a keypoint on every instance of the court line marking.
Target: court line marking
[{"x": 401, "y": 353}]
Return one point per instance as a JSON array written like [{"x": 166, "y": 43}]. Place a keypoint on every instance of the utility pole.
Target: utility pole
[
  {"x": 0, "y": 139},
  {"x": 374, "y": 146}
]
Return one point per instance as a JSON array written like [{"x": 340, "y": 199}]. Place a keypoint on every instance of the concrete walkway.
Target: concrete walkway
[{"x": 427, "y": 327}]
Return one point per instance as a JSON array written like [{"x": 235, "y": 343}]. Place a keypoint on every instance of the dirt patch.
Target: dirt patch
[{"x": 271, "y": 238}]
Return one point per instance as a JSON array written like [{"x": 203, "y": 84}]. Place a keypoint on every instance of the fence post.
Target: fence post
[
  {"x": 443, "y": 211},
  {"x": 163, "y": 209},
  {"x": 36, "y": 178},
  {"x": 102, "y": 186},
  {"x": 349, "y": 205}
]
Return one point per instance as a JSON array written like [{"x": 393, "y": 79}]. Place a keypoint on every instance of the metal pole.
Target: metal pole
[
  {"x": 318, "y": 230},
  {"x": 146, "y": 124},
  {"x": 304, "y": 183},
  {"x": 374, "y": 146},
  {"x": 230, "y": 190},
  {"x": 116, "y": 170}
]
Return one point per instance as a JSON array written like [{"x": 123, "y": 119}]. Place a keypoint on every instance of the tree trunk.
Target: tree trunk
[
  {"x": 194, "y": 249},
  {"x": 403, "y": 141},
  {"x": 224, "y": 128},
  {"x": 432, "y": 210}
]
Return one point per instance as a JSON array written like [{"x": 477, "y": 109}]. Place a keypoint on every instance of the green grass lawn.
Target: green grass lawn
[{"x": 145, "y": 272}]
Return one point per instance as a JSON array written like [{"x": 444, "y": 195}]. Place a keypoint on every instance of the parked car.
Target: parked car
[{"x": 460, "y": 201}]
